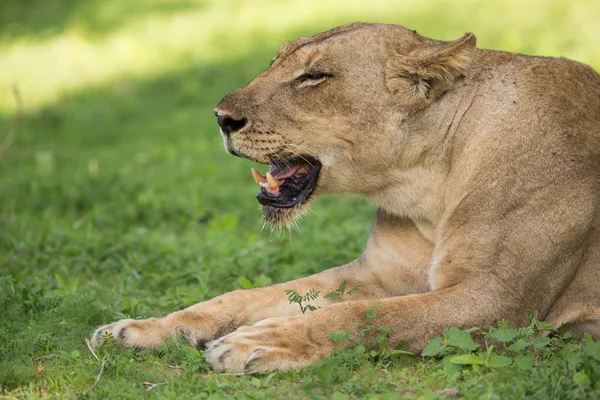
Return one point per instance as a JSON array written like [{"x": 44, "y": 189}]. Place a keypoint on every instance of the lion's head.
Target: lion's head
[{"x": 329, "y": 114}]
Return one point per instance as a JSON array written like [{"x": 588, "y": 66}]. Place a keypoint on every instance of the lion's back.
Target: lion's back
[{"x": 542, "y": 97}]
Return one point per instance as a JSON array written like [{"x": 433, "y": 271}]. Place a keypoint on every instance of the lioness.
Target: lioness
[{"x": 485, "y": 167}]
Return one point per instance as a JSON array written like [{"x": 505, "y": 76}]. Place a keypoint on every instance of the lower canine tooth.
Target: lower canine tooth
[{"x": 272, "y": 182}]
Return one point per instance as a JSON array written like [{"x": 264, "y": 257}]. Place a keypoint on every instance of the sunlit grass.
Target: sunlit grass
[{"x": 207, "y": 32}]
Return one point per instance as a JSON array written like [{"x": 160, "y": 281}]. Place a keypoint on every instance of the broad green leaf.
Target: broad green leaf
[
  {"x": 256, "y": 382},
  {"x": 245, "y": 282},
  {"x": 73, "y": 286},
  {"x": 544, "y": 326},
  {"x": 61, "y": 281},
  {"x": 433, "y": 348},
  {"x": 593, "y": 350},
  {"x": 460, "y": 339},
  {"x": 499, "y": 362},
  {"x": 466, "y": 359},
  {"x": 525, "y": 361},
  {"x": 126, "y": 302},
  {"x": 504, "y": 335},
  {"x": 449, "y": 367},
  {"x": 574, "y": 362},
  {"x": 269, "y": 378},
  {"x": 339, "y": 336},
  {"x": 580, "y": 378},
  {"x": 540, "y": 342},
  {"x": 519, "y": 345}
]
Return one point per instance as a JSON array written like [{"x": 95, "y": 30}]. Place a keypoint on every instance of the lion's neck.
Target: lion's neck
[
  {"x": 416, "y": 176},
  {"x": 416, "y": 193}
]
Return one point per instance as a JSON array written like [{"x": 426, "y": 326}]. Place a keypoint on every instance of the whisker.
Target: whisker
[
  {"x": 301, "y": 148},
  {"x": 279, "y": 157},
  {"x": 311, "y": 210},
  {"x": 299, "y": 155},
  {"x": 289, "y": 231}
]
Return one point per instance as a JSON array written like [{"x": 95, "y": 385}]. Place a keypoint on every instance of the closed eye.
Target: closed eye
[{"x": 313, "y": 77}]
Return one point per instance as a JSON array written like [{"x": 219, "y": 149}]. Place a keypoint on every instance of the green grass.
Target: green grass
[{"x": 116, "y": 198}]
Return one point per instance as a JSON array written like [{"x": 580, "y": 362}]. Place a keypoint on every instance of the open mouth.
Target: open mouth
[{"x": 288, "y": 183}]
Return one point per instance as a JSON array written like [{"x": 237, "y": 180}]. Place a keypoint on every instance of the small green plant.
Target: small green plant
[
  {"x": 338, "y": 294},
  {"x": 587, "y": 367},
  {"x": 364, "y": 344},
  {"x": 295, "y": 297},
  {"x": 521, "y": 348},
  {"x": 261, "y": 281},
  {"x": 453, "y": 341},
  {"x": 367, "y": 333}
]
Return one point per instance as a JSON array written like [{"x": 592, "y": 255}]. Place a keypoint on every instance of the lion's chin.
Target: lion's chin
[{"x": 282, "y": 218}]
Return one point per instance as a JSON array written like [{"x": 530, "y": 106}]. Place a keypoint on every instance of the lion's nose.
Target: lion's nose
[{"x": 230, "y": 125}]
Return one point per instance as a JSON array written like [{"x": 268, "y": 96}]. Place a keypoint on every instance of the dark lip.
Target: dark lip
[{"x": 294, "y": 190}]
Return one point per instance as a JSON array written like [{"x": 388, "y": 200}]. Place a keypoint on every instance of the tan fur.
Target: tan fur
[{"x": 485, "y": 167}]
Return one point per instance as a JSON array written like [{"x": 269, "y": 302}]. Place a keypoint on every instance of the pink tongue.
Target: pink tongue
[{"x": 283, "y": 171}]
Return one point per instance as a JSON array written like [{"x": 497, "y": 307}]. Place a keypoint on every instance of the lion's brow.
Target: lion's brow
[{"x": 297, "y": 44}]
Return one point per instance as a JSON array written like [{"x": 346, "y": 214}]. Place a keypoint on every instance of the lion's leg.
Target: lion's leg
[
  {"x": 213, "y": 318},
  {"x": 394, "y": 263},
  {"x": 578, "y": 309},
  {"x": 586, "y": 322},
  {"x": 292, "y": 342}
]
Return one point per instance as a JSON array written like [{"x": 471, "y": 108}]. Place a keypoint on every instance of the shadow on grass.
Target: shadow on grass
[{"x": 138, "y": 128}]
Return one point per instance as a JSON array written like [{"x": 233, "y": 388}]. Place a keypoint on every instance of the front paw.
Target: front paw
[
  {"x": 131, "y": 332},
  {"x": 273, "y": 344}
]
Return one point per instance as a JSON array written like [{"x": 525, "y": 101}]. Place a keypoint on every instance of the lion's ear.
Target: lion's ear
[{"x": 427, "y": 72}]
